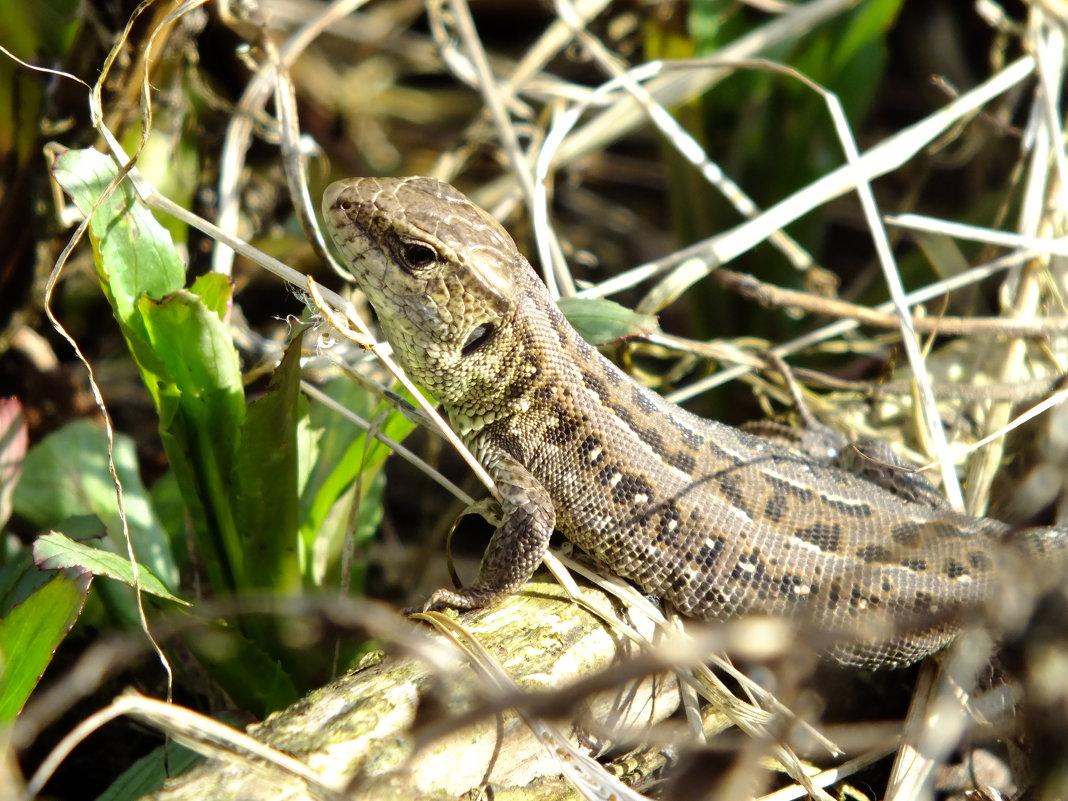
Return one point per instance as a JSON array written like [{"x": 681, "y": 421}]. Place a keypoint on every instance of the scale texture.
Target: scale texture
[{"x": 716, "y": 520}]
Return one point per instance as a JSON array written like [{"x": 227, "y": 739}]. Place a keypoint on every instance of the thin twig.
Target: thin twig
[{"x": 772, "y": 296}]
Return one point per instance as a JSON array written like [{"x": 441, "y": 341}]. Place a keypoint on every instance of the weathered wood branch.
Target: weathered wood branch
[{"x": 368, "y": 733}]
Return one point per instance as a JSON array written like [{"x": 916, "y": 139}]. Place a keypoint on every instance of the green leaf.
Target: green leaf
[
  {"x": 47, "y": 27},
  {"x": 134, "y": 254},
  {"x": 216, "y": 292},
  {"x": 19, "y": 579},
  {"x": 66, "y": 476},
  {"x": 325, "y": 559},
  {"x": 202, "y": 368},
  {"x": 200, "y": 399},
  {"x": 166, "y": 498},
  {"x": 42, "y": 31},
  {"x": 343, "y": 452},
  {"x": 30, "y": 634},
  {"x": 601, "y": 321},
  {"x": 943, "y": 252},
  {"x": 265, "y": 480},
  {"x": 865, "y": 27},
  {"x": 54, "y": 550},
  {"x": 181, "y": 345},
  {"x": 149, "y": 772},
  {"x": 250, "y": 676}
]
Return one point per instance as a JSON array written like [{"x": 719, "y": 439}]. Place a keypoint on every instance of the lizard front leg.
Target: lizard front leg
[{"x": 519, "y": 543}]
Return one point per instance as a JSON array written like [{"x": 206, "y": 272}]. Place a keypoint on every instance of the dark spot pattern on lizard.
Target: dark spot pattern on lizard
[
  {"x": 907, "y": 534},
  {"x": 858, "y": 599},
  {"x": 923, "y": 602},
  {"x": 559, "y": 325},
  {"x": 720, "y": 455},
  {"x": 979, "y": 560},
  {"x": 776, "y": 507},
  {"x": 613, "y": 377},
  {"x": 749, "y": 569},
  {"x": 955, "y": 569},
  {"x": 591, "y": 449},
  {"x": 717, "y": 521},
  {"x": 690, "y": 438},
  {"x": 583, "y": 349},
  {"x": 825, "y": 536},
  {"x": 566, "y": 428},
  {"x": 683, "y": 462},
  {"x": 834, "y": 595},
  {"x": 650, "y": 436},
  {"x": 631, "y": 490},
  {"x": 595, "y": 385},
  {"x": 848, "y": 508},
  {"x": 642, "y": 401},
  {"x": 873, "y": 553},
  {"x": 733, "y": 492},
  {"x": 667, "y": 522},
  {"x": 608, "y": 475},
  {"x": 801, "y": 495},
  {"x": 708, "y": 554}
]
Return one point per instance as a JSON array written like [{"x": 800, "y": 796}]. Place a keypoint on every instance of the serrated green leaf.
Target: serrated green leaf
[
  {"x": 601, "y": 321},
  {"x": 216, "y": 292},
  {"x": 30, "y": 634},
  {"x": 134, "y": 254},
  {"x": 54, "y": 550}
]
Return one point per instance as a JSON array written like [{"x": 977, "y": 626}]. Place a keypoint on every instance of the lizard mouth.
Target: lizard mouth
[{"x": 477, "y": 338}]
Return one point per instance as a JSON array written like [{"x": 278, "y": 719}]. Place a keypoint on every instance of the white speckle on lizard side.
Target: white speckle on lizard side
[
  {"x": 803, "y": 544},
  {"x": 741, "y": 514}
]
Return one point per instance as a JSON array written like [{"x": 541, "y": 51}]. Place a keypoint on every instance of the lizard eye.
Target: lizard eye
[{"x": 417, "y": 256}]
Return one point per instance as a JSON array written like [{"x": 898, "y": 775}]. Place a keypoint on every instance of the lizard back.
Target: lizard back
[{"x": 717, "y": 521}]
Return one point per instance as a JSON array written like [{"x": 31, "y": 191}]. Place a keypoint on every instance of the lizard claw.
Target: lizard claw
[{"x": 460, "y": 600}]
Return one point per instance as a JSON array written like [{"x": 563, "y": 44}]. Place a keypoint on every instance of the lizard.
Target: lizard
[{"x": 714, "y": 519}]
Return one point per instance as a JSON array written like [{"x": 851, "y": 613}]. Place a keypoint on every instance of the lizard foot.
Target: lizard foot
[{"x": 460, "y": 600}]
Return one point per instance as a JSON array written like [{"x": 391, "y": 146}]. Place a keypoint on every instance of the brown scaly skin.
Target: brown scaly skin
[{"x": 717, "y": 521}]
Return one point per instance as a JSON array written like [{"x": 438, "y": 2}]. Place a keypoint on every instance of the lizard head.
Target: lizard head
[{"x": 439, "y": 271}]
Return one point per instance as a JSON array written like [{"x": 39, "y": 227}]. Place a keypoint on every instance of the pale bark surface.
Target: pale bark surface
[{"x": 357, "y": 732}]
